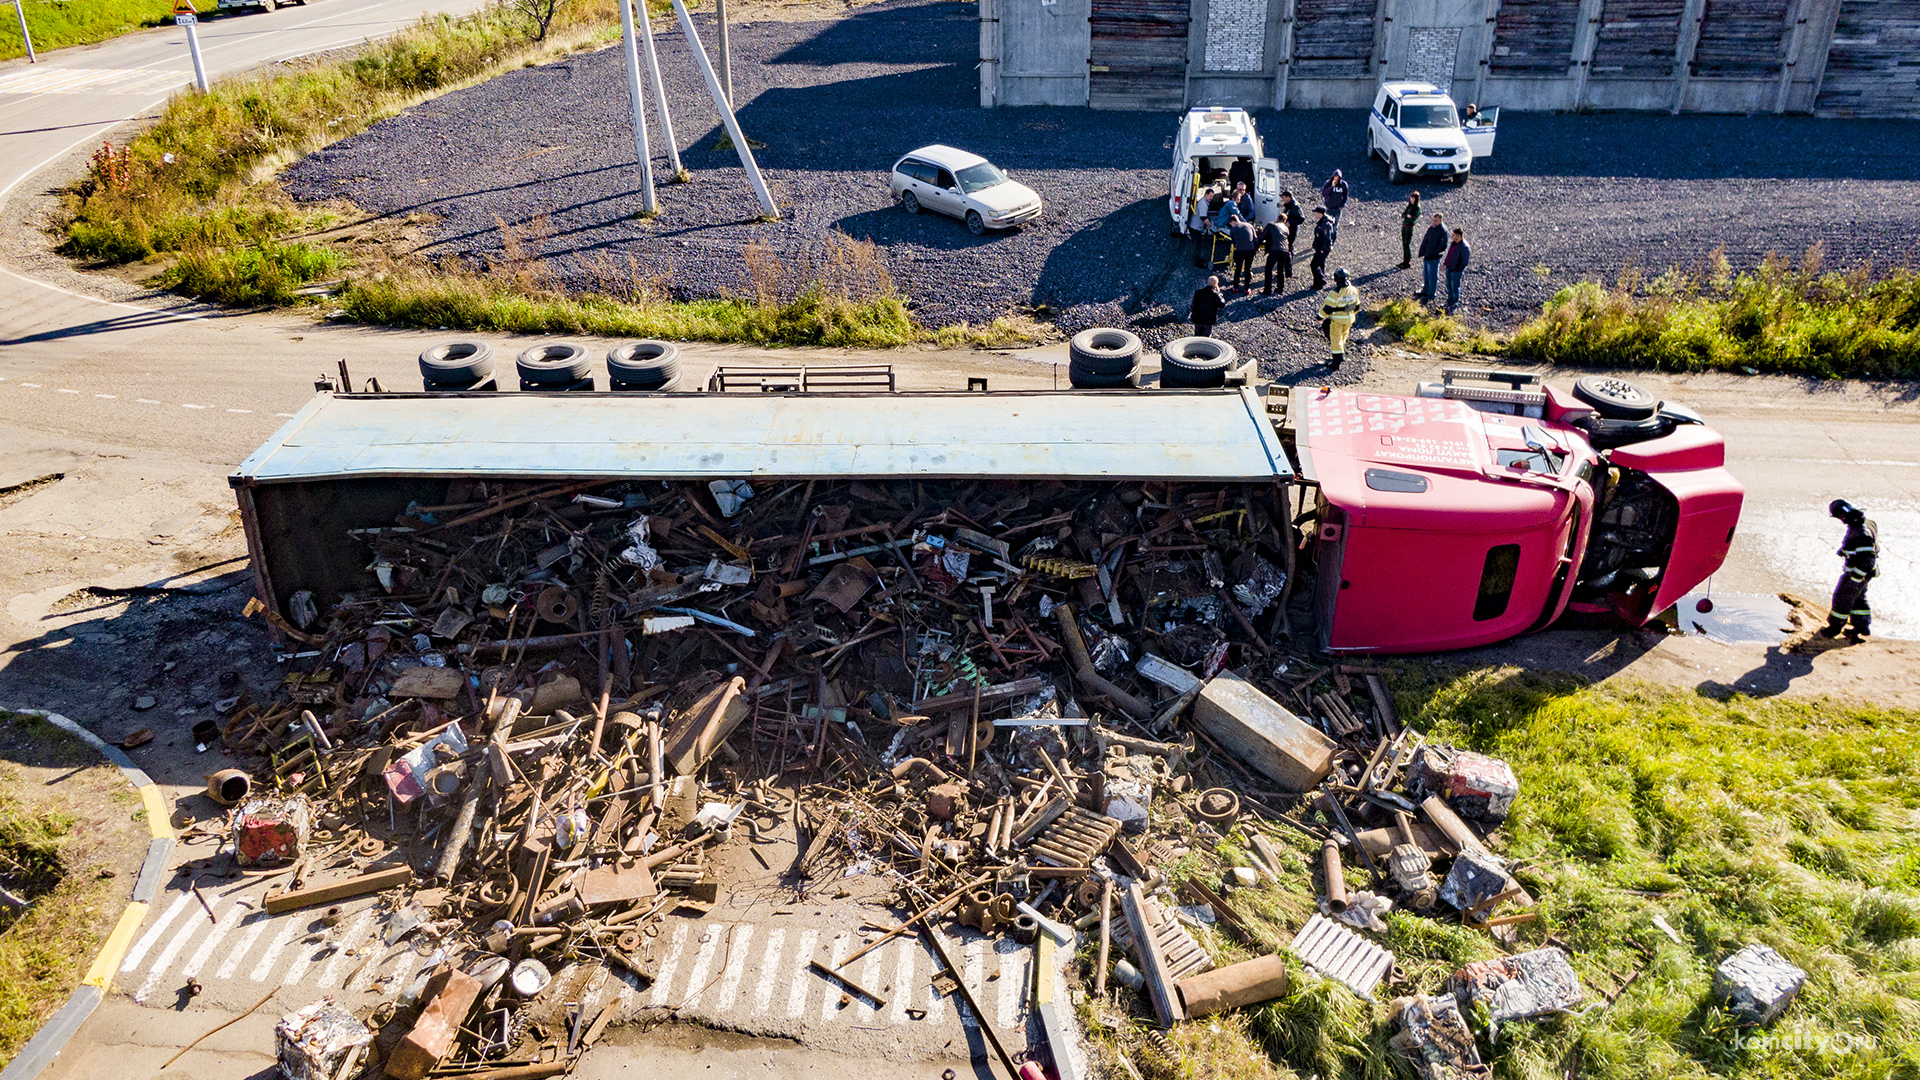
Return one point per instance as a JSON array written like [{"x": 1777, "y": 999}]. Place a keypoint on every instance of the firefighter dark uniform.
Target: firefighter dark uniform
[{"x": 1860, "y": 552}]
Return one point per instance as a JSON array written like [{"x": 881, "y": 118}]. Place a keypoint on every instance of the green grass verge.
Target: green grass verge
[
  {"x": 1421, "y": 328},
  {"x": 56, "y": 24},
  {"x": 1784, "y": 822},
  {"x": 45, "y": 949}
]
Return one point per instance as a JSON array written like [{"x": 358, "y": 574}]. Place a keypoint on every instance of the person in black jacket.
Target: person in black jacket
[
  {"x": 1245, "y": 243},
  {"x": 1861, "y": 552},
  {"x": 1432, "y": 246},
  {"x": 1334, "y": 194},
  {"x": 1322, "y": 246},
  {"x": 1274, "y": 238},
  {"x": 1458, "y": 255},
  {"x": 1290, "y": 213},
  {"x": 1207, "y": 303},
  {"x": 1409, "y": 219}
]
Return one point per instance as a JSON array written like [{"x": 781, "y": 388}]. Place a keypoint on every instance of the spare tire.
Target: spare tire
[
  {"x": 560, "y": 364},
  {"x": 643, "y": 365},
  {"x": 1104, "y": 351},
  {"x": 1615, "y": 398},
  {"x": 457, "y": 363},
  {"x": 1082, "y": 378},
  {"x": 1196, "y": 363}
]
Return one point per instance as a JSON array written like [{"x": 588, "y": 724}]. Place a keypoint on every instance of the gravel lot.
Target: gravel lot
[{"x": 549, "y": 151}]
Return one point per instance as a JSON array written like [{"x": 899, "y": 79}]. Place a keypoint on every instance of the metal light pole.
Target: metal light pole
[
  {"x": 660, "y": 96},
  {"x": 25, "y": 35},
  {"x": 760, "y": 192},
  {"x": 726, "y": 54},
  {"x": 183, "y": 16},
  {"x": 641, "y": 151}
]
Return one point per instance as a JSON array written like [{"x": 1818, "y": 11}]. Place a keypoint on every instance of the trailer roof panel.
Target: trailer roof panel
[{"x": 1162, "y": 434}]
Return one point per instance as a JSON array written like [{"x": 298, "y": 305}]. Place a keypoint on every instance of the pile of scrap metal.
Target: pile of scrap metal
[{"x": 551, "y": 706}]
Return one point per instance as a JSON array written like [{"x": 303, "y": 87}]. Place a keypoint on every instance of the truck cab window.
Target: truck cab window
[{"x": 1496, "y": 582}]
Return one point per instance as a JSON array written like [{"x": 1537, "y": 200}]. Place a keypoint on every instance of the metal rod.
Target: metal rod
[
  {"x": 192, "y": 23},
  {"x": 27, "y": 36},
  {"x": 660, "y": 97},
  {"x": 642, "y": 153},
  {"x": 966, "y": 992},
  {"x": 726, "y": 54},
  {"x": 759, "y": 185},
  {"x": 1106, "y": 938}
]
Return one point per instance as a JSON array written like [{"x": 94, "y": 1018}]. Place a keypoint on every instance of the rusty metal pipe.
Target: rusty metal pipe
[
  {"x": 1259, "y": 979},
  {"x": 1336, "y": 877}
]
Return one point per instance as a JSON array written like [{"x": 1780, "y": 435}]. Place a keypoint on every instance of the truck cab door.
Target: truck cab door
[
  {"x": 1480, "y": 132},
  {"x": 1180, "y": 195},
  {"x": 1266, "y": 190}
]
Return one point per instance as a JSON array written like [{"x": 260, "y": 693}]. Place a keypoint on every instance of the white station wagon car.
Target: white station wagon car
[
  {"x": 962, "y": 185},
  {"x": 1416, "y": 131}
]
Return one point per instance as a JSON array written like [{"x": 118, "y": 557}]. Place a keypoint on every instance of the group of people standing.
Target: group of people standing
[{"x": 1230, "y": 215}]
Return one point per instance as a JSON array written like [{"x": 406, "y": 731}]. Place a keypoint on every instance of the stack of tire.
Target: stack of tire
[
  {"x": 561, "y": 366},
  {"x": 1196, "y": 363},
  {"x": 1103, "y": 359},
  {"x": 457, "y": 365},
  {"x": 644, "y": 365}
]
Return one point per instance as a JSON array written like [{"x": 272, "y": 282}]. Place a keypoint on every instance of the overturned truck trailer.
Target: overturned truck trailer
[{"x": 1419, "y": 523}]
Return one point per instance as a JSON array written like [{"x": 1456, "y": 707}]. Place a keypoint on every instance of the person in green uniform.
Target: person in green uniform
[
  {"x": 1337, "y": 312},
  {"x": 1409, "y": 217}
]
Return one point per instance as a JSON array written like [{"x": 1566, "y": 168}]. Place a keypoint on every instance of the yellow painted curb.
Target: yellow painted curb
[
  {"x": 101, "y": 973},
  {"x": 159, "y": 822}
]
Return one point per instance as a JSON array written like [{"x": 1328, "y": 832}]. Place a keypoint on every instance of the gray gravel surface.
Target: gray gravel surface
[{"x": 549, "y": 151}]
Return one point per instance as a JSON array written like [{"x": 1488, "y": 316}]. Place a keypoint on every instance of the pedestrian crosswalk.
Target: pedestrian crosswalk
[
  {"x": 746, "y": 976},
  {"x": 66, "y": 80}
]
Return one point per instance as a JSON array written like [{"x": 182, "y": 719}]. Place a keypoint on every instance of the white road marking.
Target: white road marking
[
  {"x": 738, "y": 946},
  {"x": 64, "y": 390},
  {"x": 351, "y": 944},
  {"x": 31, "y": 385},
  {"x": 255, "y": 924},
  {"x": 903, "y": 984},
  {"x": 663, "y": 979},
  {"x": 869, "y": 978},
  {"x": 697, "y": 978},
  {"x": 109, "y": 396},
  {"x": 186, "y": 406},
  {"x": 165, "y": 960},
  {"x": 769, "y": 971},
  {"x": 288, "y": 415},
  {"x": 85, "y": 80},
  {"x": 146, "y": 401},
  {"x": 802, "y": 978},
  {"x": 139, "y": 950},
  {"x": 240, "y": 410},
  {"x": 212, "y": 941},
  {"x": 975, "y": 965},
  {"x": 1013, "y": 982},
  {"x": 830, "y": 1001},
  {"x": 290, "y": 926}
]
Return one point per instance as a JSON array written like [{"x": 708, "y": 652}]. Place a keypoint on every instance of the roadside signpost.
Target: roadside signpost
[
  {"x": 24, "y": 34},
  {"x": 184, "y": 15},
  {"x": 640, "y": 149}
]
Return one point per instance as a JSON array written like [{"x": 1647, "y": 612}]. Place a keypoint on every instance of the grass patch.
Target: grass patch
[
  {"x": 1784, "y": 822},
  {"x": 1423, "y": 328},
  {"x": 1780, "y": 318},
  {"x": 46, "y": 948},
  {"x": 56, "y": 24}
]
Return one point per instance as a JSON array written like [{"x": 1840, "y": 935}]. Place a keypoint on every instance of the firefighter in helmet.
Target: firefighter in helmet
[{"x": 1860, "y": 552}]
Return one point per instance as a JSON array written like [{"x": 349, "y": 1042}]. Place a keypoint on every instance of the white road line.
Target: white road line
[
  {"x": 240, "y": 410},
  {"x": 255, "y": 925},
  {"x": 186, "y": 406},
  {"x": 1013, "y": 984},
  {"x": 769, "y": 971},
  {"x": 212, "y": 941},
  {"x": 869, "y": 978},
  {"x": 350, "y": 944},
  {"x": 975, "y": 964},
  {"x": 31, "y": 385},
  {"x": 697, "y": 978},
  {"x": 289, "y": 926},
  {"x": 146, "y": 401},
  {"x": 802, "y": 978},
  {"x": 107, "y": 395},
  {"x": 64, "y": 390},
  {"x": 306, "y": 954},
  {"x": 167, "y": 955},
  {"x": 288, "y": 415},
  {"x": 663, "y": 978},
  {"x": 739, "y": 947},
  {"x": 830, "y": 1001},
  {"x": 139, "y": 950},
  {"x": 903, "y": 984}
]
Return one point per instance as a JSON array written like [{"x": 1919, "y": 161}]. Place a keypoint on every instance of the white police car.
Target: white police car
[{"x": 1416, "y": 131}]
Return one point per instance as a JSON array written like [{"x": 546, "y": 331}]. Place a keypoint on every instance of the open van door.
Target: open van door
[
  {"x": 1480, "y": 131},
  {"x": 1180, "y": 195},
  {"x": 1266, "y": 190}
]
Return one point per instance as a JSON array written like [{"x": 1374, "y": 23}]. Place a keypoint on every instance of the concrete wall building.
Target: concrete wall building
[{"x": 1826, "y": 57}]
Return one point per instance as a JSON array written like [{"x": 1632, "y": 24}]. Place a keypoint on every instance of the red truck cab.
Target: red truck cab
[{"x": 1489, "y": 504}]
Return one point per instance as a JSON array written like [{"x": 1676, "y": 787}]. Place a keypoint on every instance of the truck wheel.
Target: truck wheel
[
  {"x": 975, "y": 223},
  {"x": 1104, "y": 351},
  {"x": 1615, "y": 399},
  {"x": 1460, "y": 178},
  {"x": 910, "y": 202},
  {"x": 457, "y": 363},
  {"x": 1196, "y": 363},
  {"x": 643, "y": 365},
  {"x": 1394, "y": 175},
  {"x": 554, "y": 365}
]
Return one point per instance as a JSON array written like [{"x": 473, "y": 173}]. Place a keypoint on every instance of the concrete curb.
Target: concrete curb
[{"x": 52, "y": 1037}]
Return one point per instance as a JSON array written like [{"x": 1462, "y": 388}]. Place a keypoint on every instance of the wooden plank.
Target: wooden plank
[
  {"x": 379, "y": 880},
  {"x": 1534, "y": 37}
]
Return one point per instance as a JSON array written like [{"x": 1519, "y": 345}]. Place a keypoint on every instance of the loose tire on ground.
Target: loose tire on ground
[
  {"x": 457, "y": 363},
  {"x": 1615, "y": 398},
  {"x": 560, "y": 364},
  {"x": 1196, "y": 363},
  {"x": 1105, "y": 351},
  {"x": 643, "y": 365}
]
